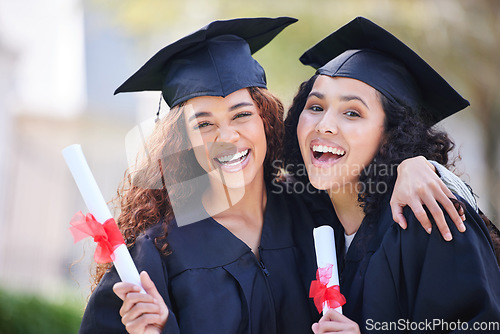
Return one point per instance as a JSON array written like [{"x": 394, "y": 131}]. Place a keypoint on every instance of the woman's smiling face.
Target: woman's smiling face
[
  {"x": 228, "y": 137},
  {"x": 339, "y": 131}
]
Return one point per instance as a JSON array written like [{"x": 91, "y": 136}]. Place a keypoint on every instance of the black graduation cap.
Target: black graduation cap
[
  {"x": 365, "y": 51},
  {"x": 213, "y": 61}
]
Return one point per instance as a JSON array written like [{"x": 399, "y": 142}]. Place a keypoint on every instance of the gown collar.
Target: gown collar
[
  {"x": 208, "y": 244},
  {"x": 370, "y": 234}
]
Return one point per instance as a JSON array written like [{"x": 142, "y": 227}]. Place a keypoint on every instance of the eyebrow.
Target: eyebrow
[
  {"x": 232, "y": 108},
  {"x": 344, "y": 98},
  {"x": 199, "y": 114},
  {"x": 240, "y": 105},
  {"x": 319, "y": 95}
]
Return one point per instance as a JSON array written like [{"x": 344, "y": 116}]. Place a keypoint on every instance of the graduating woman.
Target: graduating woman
[
  {"x": 227, "y": 262},
  {"x": 199, "y": 214},
  {"x": 373, "y": 103}
]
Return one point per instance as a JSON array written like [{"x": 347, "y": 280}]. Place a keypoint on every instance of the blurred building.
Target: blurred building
[
  {"x": 56, "y": 82},
  {"x": 60, "y": 62}
]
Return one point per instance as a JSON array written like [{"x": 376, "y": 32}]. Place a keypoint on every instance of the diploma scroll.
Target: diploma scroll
[
  {"x": 96, "y": 205},
  {"x": 326, "y": 258}
]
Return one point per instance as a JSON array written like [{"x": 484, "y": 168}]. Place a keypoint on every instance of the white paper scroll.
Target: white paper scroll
[
  {"x": 97, "y": 206},
  {"x": 324, "y": 243}
]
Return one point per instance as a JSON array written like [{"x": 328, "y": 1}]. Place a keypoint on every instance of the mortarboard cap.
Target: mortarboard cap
[
  {"x": 213, "y": 61},
  {"x": 364, "y": 51}
]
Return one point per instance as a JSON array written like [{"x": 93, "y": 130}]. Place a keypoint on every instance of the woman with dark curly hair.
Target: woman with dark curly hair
[{"x": 371, "y": 105}]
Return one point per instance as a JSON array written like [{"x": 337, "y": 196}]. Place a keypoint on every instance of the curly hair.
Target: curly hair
[
  {"x": 272, "y": 113},
  {"x": 142, "y": 196},
  {"x": 408, "y": 133}
]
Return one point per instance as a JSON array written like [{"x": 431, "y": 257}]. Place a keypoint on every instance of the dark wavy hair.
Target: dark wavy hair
[
  {"x": 142, "y": 196},
  {"x": 408, "y": 133}
]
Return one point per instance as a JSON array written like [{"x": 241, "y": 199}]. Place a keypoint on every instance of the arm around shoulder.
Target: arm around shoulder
[
  {"x": 455, "y": 280},
  {"x": 455, "y": 184}
]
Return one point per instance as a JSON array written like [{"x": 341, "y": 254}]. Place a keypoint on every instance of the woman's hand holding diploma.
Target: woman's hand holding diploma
[
  {"x": 335, "y": 322},
  {"x": 142, "y": 312}
]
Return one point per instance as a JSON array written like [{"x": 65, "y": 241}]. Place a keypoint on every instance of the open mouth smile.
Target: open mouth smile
[
  {"x": 325, "y": 156},
  {"x": 231, "y": 162}
]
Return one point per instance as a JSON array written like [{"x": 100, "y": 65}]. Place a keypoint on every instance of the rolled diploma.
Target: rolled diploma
[
  {"x": 97, "y": 206},
  {"x": 324, "y": 244}
]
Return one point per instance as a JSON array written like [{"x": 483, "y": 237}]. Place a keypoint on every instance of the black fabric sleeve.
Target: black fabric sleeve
[
  {"x": 102, "y": 311},
  {"x": 417, "y": 279}
]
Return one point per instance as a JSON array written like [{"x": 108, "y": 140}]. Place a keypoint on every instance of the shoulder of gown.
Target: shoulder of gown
[{"x": 422, "y": 277}]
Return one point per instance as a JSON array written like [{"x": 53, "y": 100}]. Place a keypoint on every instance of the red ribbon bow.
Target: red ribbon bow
[
  {"x": 107, "y": 236},
  {"x": 323, "y": 294}
]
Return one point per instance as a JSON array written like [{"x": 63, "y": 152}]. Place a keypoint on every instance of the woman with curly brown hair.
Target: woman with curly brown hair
[
  {"x": 218, "y": 245},
  {"x": 371, "y": 105},
  {"x": 199, "y": 213}
]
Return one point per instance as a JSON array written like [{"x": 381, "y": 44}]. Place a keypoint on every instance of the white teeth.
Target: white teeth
[
  {"x": 228, "y": 158},
  {"x": 325, "y": 149}
]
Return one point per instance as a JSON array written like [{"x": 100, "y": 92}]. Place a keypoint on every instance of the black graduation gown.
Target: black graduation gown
[
  {"x": 417, "y": 282},
  {"x": 213, "y": 283}
]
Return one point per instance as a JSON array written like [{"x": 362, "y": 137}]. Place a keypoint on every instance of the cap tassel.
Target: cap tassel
[{"x": 158, "y": 112}]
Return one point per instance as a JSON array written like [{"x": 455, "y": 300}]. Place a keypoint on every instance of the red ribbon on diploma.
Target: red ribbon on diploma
[
  {"x": 323, "y": 294},
  {"x": 107, "y": 236}
]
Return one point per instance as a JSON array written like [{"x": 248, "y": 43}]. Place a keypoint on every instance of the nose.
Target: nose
[
  {"x": 227, "y": 134},
  {"x": 327, "y": 124}
]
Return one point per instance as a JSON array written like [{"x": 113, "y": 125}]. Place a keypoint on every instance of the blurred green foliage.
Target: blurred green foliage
[{"x": 26, "y": 314}]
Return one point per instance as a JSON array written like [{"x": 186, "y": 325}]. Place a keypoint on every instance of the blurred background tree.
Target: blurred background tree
[
  {"x": 28, "y": 314},
  {"x": 460, "y": 38}
]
